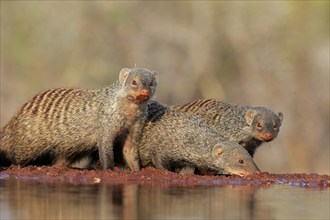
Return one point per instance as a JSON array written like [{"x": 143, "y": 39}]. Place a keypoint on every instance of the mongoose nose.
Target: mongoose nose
[
  {"x": 268, "y": 136},
  {"x": 144, "y": 92}
]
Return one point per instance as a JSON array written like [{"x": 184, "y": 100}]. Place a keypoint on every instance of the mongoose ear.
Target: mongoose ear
[
  {"x": 123, "y": 75},
  {"x": 249, "y": 116},
  {"x": 155, "y": 73},
  {"x": 217, "y": 151},
  {"x": 280, "y": 115}
]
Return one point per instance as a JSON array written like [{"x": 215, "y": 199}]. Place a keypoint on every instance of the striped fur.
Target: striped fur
[
  {"x": 231, "y": 121},
  {"x": 60, "y": 126},
  {"x": 172, "y": 140}
]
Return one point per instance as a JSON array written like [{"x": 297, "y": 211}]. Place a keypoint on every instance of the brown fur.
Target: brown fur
[
  {"x": 247, "y": 125},
  {"x": 172, "y": 140},
  {"x": 60, "y": 126}
]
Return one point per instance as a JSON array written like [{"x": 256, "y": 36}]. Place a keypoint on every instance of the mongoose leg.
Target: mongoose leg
[
  {"x": 105, "y": 146},
  {"x": 185, "y": 170},
  {"x": 61, "y": 163},
  {"x": 106, "y": 157},
  {"x": 159, "y": 163},
  {"x": 130, "y": 152}
]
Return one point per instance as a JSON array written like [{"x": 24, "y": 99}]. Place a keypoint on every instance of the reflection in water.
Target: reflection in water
[{"x": 30, "y": 200}]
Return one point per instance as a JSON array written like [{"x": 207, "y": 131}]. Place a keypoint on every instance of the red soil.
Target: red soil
[{"x": 152, "y": 175}]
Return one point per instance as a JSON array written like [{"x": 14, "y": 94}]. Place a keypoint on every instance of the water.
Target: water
[{"x": 21, "y": 199}]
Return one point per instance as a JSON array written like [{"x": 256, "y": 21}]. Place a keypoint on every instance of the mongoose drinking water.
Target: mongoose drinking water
[
  {"x": 60, "y": 126},
  {"x": 172, "y": 140},
  {"x": 247, "y": 125}
]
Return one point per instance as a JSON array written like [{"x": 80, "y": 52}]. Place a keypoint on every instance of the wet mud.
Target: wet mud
[{"x": 150, "y": 175}]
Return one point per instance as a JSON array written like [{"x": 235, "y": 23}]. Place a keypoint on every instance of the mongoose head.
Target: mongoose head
[
  {"x": 265, "y": 124},
  {"x": 230, "y": 158},
  {"x": 139, "y": 83}
]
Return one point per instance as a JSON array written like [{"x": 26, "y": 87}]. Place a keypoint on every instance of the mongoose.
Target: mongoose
[
  {"x": 60, "y": 126},
  {"x": 247, "y": 125},
  {"x": 172, "y": 140}
]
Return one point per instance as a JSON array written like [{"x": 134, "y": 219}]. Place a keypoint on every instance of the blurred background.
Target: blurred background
[{"x": 273, "y": 54}]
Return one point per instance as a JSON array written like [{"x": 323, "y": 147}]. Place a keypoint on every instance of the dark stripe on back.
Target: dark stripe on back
[
  {"x": 51, "y": 101},
  {"x": 48, "y": 99},
  {"x": 68, "y": 103},
  {"x": 59, "y": 102},
  {"x": 188, "y": 105},
  {"x": 193, "y": 106},
  {"x": 202, "y": 102},
  {"x": 31, "y": 102},
  {"x": 38, "y": 101},
  {"x": 211, "y": 104},
  {"x": 215, "y": 116},
  {"x": 24, "y": 107}
]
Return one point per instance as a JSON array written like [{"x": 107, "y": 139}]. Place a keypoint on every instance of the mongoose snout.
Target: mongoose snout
[
  {"x": 140, "y": 90},
  {"x": 265, "y": 124},
  {"x": 266, "y": 137},
  {"x": 144, "y": 92},
  {"x": 144, "y": 95},
  {"x": 243, "y": 167}
]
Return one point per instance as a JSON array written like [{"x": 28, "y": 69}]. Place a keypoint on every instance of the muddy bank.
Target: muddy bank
[{"x": 151, "y": 175}]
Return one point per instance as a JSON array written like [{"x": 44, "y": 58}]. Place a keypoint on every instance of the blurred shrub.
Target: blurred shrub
[{"x": 273, "y": 54}]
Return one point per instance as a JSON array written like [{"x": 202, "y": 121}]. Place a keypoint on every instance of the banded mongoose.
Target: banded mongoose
[
  {"x": 60, "y": 126},
  {"x": 247, "y": 125},
  {"x": 171, "y": 140}
]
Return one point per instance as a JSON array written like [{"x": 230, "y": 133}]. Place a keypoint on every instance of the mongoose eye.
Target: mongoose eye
[
  {"x": 134, "y": 83},
  {"x": 241, "y": 161},
  {"x": 152, "y": 84},
  {"x": 259, "y": 125}
]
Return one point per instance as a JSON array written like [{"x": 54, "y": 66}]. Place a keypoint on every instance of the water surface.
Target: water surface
[{"x": 20, "y": 199}]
